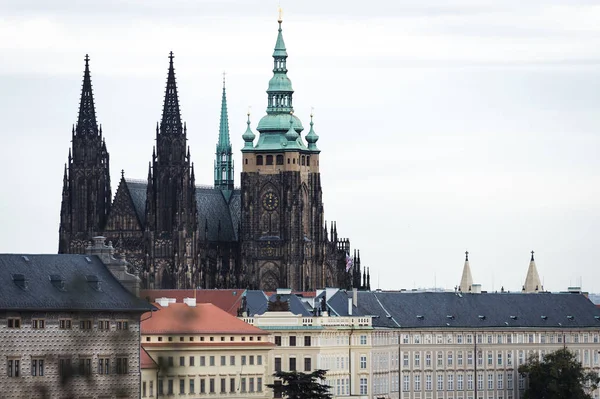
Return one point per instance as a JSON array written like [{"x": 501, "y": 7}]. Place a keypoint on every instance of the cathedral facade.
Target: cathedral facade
[{"x": 267, "y": 234}]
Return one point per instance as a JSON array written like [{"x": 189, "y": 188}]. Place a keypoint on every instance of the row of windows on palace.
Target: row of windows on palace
[
  {"x": 191, "y": 360},
  {"x": 207, "y": 385},
  {"x": 203, "y": 338},
  {"x": 451, "y": 382},
  {"x": 67, "y": 368},
  {"x": 327, "y": 340},
  {"x": 67, "y": 324},
  {"x": 504, "y": 338},
  {"x": 487, "y": 358},
  {"x": 303, "y": 160}
]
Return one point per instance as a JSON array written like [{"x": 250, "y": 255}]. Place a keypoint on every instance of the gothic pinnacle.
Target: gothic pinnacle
[
  {"x": 86, "y": 122},
  {"x": 171, "y": 117}
]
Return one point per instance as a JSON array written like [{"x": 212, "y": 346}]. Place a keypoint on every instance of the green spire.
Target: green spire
[
  {"x": 223, "y": 161},
  {"x": 248, "y": 136},
  {"x": 224, "y": 142},
  {"x": 274, "y": 126},
  {"x": 312, "y": 137}
]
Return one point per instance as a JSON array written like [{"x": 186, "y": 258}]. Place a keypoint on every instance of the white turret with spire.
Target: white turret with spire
[
  {"x": 532, "y": 281},
  {"x": 466, "y": 282}
]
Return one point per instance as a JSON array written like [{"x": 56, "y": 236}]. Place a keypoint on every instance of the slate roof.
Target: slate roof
[
  {"x": 447, "y": 309},
  {"x": 256, "y": 302},
  {"x": 138, "y": 191},
  {"x": 212, "y": 206},
  {"x": 214, "y": 209},
  {"x": 79, "y": 293}
]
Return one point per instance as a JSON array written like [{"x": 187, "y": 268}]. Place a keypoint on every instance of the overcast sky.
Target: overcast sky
[{"x": 445, "y": 125}]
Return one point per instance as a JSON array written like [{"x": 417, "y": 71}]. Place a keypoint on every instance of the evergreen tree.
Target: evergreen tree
[
  {"x": 558, "y": 376},
  {"x": 298, "y": 385}
]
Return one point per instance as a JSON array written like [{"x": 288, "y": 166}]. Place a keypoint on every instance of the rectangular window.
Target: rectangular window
[
  {"x": 417, "y": 360},
  {"x": 363, "y": 385},
  {"x": 160, "y": 387},
  {"x": 277, "y": 364},
  {"x": 469, "y": 382},
  {"x": 103, "y": 325},
  {"x": 490, "y": 358},
  {"x": 182, "y": 360},
  {"x": 480, "y": 381},
  {"x": 38, "y": 323},
  {"x": 144, "y": 389},
  {"x": 307, "y": 340},
  {"x": 243, "y": 360},
  {"x": 363, "y": 361},
  {"x": 211, "y": 385},
  {"x": 509, "y": 381},
  {"x": 500, "y": 381},
  {"x": 251, "y": 384},
  {"x": 37, "y": 367},
  {"x": 405, "y": 360},
  {"x": 469, "y": 358},
  {"x": 151, "y": 389},
  {"x": 292, "y": 340},
  {"x": 122, "y": 365},
  {"x": 223, "y": 385},
  {"x": 122, "y": 325},
  {"x": 232, "y": 360},
  {"x": 232, "y": 385},
  {"x": 211, "y": 361},
  {"x": 440, "y": 359},
  {"x": 85, "y": 366},
  {"x": 450, "y": 359},
  {"x": 223, "y": 360},
  {"x": 13, "y": 369},
  {"x": 85, "y": 324},
  {"x": 192, "y": 387},
  {"x": 202, "y": 385},
  {"x": 499, "y": 358},
  {"x": 169, "y": 387},
  {"x": 181, "y": 386},
  {"x": 202, "y": 361},
  {"x": 405, "y": 383},
  {"x": 490, "y": 381},
  {"x": 14, "y": 322},
  {"x": 417, "y": 382},
  {"x": 64, "y": 367},
  {"x": 450, "y": 382},
  {"x": 440, "y": 382},
  {"x": 428, "y": 382},
  {"x": 243, "y": 384},
  {"x": 292, "y": 364},
  {"x": 170, "y": 361},
  {"x": 258, "y": 384},
  {"x": 363, "y": 339},
  {"x": 459, "y": 382},
  {"x": 64, "y": 324},
  {"x": 307, "y": 364},
  {"x": 251, "y": 359},
  {"x": 192, "y": 363},
  {"x": 428, "y": 359},
  {"x": 278, "y": 340},
  {"x": 259, "y": 360}
]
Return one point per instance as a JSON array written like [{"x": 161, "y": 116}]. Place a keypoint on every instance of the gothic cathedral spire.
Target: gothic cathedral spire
[
  {"x": 171, "y": 118},
  {"x": 86, "y": 195},
  {"x": 224, "y": 161}
]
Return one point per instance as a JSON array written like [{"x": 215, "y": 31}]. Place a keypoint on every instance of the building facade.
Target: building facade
[
  {"x": 269, "y": 233},
  {"x": 202, "y": 351},
  {"x": 68, "y": 328}
]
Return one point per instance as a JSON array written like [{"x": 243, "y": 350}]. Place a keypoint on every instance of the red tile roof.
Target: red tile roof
[
  {"x": 146, "y": 361},
  {"x": 204, "y": 318},
  {"x": 228, "y": 300}
]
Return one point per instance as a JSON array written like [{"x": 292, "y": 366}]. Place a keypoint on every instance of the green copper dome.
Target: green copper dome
[
  {"x": 248, "y": 136},
  {"x": 291, "y": 134},
  {"x": 312, "y": 137},
  {"x": 280, "y": 82}
]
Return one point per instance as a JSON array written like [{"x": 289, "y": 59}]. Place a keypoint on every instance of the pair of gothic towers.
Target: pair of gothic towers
[{"x": 268, "y": 233}]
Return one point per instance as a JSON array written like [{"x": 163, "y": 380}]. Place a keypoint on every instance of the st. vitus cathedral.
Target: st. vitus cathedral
[{"x": 269, "y": 233}]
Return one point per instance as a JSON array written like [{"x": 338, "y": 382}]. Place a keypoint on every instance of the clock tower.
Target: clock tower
[{"x": 282, "y": 232}]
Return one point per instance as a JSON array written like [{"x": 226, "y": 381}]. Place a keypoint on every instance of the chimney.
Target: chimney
[
  {"x": 355, "y": 296},
  {"x": 191, "y": 302},
  {"x": 350, "y": 300},
  {"x": 164, "y": 302}
]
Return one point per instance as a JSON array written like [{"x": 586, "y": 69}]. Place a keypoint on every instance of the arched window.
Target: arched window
[
  {"x": 269, "y": 159},
  {"x": 303, "y": 160},
  {"x": 223, "y": 174},
  {"x": 279, "y": 160},
  {"x": 259, "y": 160},
  {"x": 246, "y": 161}
]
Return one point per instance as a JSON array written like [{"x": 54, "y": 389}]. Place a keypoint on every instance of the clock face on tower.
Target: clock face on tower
[{"x": 270, "y": 201}]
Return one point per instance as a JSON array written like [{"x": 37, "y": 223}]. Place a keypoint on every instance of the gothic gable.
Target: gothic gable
[{"x": 123, "y": 214}]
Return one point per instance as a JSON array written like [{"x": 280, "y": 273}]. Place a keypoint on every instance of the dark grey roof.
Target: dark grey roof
[
  {"x": 256, "y": 301},
  {"x": 214, "y": 209},
  {"x": 338, "y": 304},
  {"x": 297, "y": 307},
  {"x": 487, "y": 310},
  {"x": 138, "y": 192},
  {"x": 78, "y": 291}
]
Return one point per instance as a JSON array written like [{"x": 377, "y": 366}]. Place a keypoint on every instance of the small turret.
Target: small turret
[
  {"x": 532, "y": 280},
  {"x": 248, "y": 136},
  {"x": 291, "y": 134},
  {"x": 312, "y": 137}
]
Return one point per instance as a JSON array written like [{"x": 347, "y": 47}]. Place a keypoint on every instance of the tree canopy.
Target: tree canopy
[
  {"x": 558, "y": 376},
  {"x": 298, "y": 385}
]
